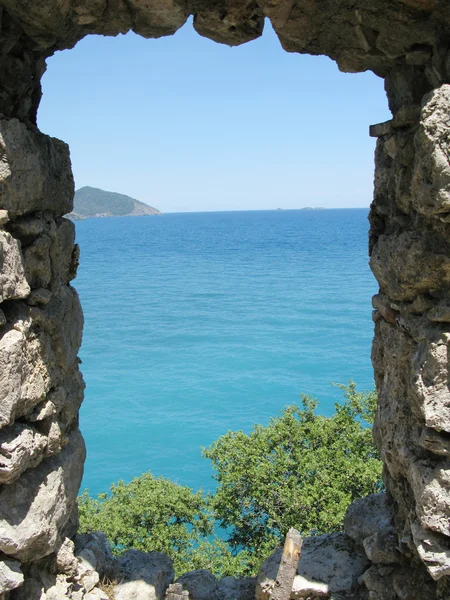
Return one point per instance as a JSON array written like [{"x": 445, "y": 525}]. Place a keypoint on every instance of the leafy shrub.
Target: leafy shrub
[{"x": 301, "y": 470}]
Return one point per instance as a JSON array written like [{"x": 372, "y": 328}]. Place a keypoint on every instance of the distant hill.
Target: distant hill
[{"x": 93, "y": 202}]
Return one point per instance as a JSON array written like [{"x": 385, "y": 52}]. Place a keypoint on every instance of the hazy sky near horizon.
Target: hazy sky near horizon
[{"x": 186, "y": 124}]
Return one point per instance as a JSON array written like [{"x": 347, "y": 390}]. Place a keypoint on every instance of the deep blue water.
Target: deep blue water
[{"x": 198, "y": 323}]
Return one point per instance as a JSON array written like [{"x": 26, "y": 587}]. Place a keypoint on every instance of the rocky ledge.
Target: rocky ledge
[{"x": 362, "y": 563}]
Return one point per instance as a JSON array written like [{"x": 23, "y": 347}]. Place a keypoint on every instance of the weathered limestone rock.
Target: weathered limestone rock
[
  {"x": 62, "y": 320},
  {"x": 42, "y": 411},
  {"x": 24, "y": 378},
  {"x": 361, "y": 37},
  {"x": 380, "y": 129},
  {"x": 433, "y": 549},
  {"x": 357, "y": 37},
  {"x": 386, "y": 582},
  {"x": 13, "y": 284},
  {"x": 333, "y": 559},
  {"x": 35, "y": 509},
  {"x": 303, "y": 588},
  {"x": 65, "y": 575},
  {"x": 366, "y": 516},
  {"x": 404, "y": 267},
  {"x": 230, "y": 588},
  {"x": 74, "y": 571},
  {"x": 21, "y": 447},
  {"x": 409, "y": 232},
  {"x": 38, "y": 351},
  {"x": 53, "y": 23},
  {"x": 66, "y": 397},
  {"x": 143, "y": 576},
  {"x": 88, "y": 577},
  {"x": 11, "y": 577},
  {"x": 427, "y": 489},
  {"x": 96, "y": 594},
  {"x": 406, "y": 42},
  {"x": 100, "y": 551},
  {"x": 241, "y": 23},
  {"x": 431, "y": 485},
  {"x": 28, "y": 227},
  {"x": 370, "y": 522},
  {"x": 379, "y": 583},
  {"x": 435, "y": 442},
  {"x": 61, "y": 589},
  {"x": 66, "y": 562},
  {"x": 39, "y": 296},
  {"x": 32, "y": 589},
  {"x": 201, "y": 584},
  {"x": 381, "y": 547},
  {"x": 62, "y": 253},
  {"x": 138, "y": 590},
  {"x": 37, "y": 262},
  {"x": 48, "y": 254},
  {"x": 433, "y": 400},
  {"x": 35, "y": 171},
  {"x": 439, "y": 314},
  {"x": 175, "y": 591},
  {"x": 431, "y": 177},
  {"x": 328, "y": 564}
]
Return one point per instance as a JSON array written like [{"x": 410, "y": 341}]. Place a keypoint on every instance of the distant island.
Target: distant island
[
  {"x": 304, "y": 208},
  {"x": 92, "y": 202}
]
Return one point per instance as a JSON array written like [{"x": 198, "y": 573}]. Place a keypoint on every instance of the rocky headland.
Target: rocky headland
[{"x": 90, "y": 202}]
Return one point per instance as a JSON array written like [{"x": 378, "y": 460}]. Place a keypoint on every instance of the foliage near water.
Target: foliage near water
[{"x": 301, "y": 470}]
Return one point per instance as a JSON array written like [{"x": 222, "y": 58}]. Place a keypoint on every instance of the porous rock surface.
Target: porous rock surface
[
  {"x": 329, "y": 564},
  {"x": 78, "y": 570},
  {"x": 201, "y": 584},
  {"x": 143, "y": 576},
  {"x": 72, "y": 571},
  {"x": 13, "y": 283},
  {"x": 41, "y": 452}
]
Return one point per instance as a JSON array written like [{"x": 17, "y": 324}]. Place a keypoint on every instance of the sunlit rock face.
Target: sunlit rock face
[
  {"x": 41, "y": 452},
  {"x": 410, "y": 257}
]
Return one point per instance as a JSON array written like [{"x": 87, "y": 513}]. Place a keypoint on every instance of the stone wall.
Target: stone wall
[
  {"x": 41, "y": 389},
  {"x": 410, "y": 235},
  {"x": 41, "y": 450}
]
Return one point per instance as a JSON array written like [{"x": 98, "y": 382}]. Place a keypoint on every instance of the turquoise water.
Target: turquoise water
[{"x": 198, "y": 323}]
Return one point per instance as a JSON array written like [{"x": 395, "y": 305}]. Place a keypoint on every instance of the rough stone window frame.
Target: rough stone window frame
[{"x": 407, "y": 42}]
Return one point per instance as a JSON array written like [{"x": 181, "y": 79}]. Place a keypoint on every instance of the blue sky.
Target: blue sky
[{"x": 185, "y": 124}]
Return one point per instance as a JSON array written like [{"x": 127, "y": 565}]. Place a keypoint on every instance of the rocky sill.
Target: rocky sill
[{"x": 338, "y": 566}]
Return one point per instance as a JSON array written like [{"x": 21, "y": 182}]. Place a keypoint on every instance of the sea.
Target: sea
[{"x": 201, "y": 323}]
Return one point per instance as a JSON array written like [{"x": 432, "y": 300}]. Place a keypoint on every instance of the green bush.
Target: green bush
[
  {"x": 301, "y": 470},
  {"x": 150, "y": 514}
]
